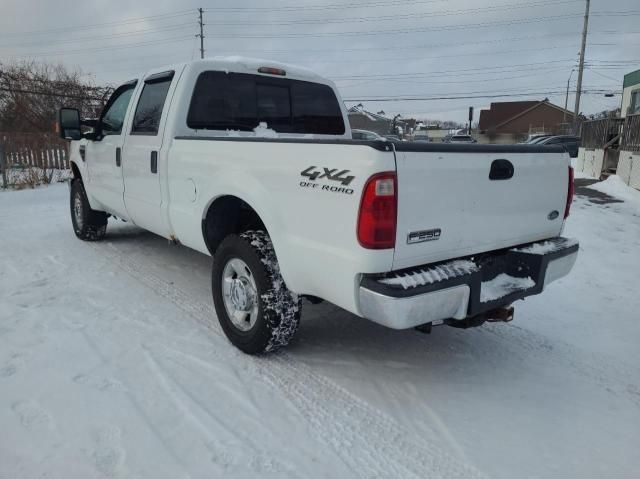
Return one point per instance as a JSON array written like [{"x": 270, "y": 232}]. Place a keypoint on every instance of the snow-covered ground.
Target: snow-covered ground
[{"x": 112, "y": 365}]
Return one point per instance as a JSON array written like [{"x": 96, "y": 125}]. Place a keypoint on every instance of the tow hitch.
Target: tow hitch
[{"x": 504, "y": 315}]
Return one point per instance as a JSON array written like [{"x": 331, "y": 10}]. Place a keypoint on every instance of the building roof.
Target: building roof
[
  {"x": 501, "y": 113},
  {"x": 631, "y": 79},
  {"x": 355, "y": 110}
]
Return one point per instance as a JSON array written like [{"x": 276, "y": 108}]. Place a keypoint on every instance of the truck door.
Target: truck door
[
  {"x": 104, "y": 153},
  {"x": 143, "y": 157}
]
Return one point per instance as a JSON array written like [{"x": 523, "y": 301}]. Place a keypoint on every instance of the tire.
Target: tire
[
  {"x": 256, "y": 311},
  {"x": 88, "y": 224}
]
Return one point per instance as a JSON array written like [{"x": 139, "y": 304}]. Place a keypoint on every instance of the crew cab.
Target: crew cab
[{"x": 252, "y": 162}]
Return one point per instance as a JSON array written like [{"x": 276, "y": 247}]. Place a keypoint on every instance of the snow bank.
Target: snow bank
[{"x": 614, "y": 186}]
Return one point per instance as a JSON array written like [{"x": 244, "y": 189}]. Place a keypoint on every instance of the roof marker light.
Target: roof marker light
[{"x": 272, "y": 71}]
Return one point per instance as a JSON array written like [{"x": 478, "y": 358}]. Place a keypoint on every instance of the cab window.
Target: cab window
[
  {"x": 116, "y": 109},
  {"x": 240, "y": 101}
]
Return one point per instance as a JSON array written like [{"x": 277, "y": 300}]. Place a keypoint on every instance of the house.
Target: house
[
  {"x": 433, "y": 132},
  {"x": 630, "y": 94},
  {"x": 360, "y": 119},
  {"x": 612, "y": 145},
  {"x": 515, "y": 121}
]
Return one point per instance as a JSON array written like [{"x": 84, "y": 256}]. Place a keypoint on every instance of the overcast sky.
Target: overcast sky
[{"x": 370, "y": 48}]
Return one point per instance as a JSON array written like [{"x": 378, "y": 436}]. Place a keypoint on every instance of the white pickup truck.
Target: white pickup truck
[{"x": 252, "y": 162}]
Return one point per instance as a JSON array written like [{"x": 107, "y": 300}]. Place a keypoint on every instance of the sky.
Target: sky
[{"x": 373, "y": 49}]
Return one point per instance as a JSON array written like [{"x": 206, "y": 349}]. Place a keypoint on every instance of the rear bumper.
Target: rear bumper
[{"x": 465, "y": 287}]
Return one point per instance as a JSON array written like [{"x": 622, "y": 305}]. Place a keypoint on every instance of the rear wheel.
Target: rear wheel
[
  {"x": 255, "y": 309},
  {"x": 88, "y": 224}
]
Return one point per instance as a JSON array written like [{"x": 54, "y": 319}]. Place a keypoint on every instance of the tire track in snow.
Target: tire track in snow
[
  {"x": 367, "y": 440},
  {"x": 594, "y": 366},
  {"x": 222, "y": 454}
]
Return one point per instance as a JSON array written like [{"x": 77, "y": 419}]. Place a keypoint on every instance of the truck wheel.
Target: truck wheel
[
  {"x": 255, "y": 309},
  {"x": 88, "y": 224}
]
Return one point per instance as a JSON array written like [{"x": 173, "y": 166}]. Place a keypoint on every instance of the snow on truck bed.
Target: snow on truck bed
[{"x": 112, "y": 365}]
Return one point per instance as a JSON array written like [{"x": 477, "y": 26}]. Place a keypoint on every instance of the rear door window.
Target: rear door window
[
  {"x": 150, "y": 105},
  {"x": 238, "y": 101}
]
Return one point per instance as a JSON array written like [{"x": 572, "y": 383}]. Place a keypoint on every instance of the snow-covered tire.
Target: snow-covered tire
[
  {"x": 277, "y": 310},
  {"x": 88, "y": 224}
]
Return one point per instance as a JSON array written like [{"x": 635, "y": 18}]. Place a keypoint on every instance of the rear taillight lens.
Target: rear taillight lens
[
  {"x": 569, "y": 194},
  {"x": 378, "y": 212}
]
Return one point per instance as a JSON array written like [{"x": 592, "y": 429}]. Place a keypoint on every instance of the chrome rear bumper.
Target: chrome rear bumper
[{"x": 463, "y": 288}]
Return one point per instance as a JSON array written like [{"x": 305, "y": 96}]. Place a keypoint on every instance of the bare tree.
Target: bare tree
[{"x": 31, "y": 94}]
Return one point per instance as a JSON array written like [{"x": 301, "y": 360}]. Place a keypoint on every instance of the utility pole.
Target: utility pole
[
  {"x": 581, "y": 67},
  {"x": 201, "y": 35},
  {"x": 566, "y": 97}
]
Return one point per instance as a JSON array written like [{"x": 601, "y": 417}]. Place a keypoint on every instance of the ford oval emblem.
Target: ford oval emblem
[{"x": 553, "y": 215}]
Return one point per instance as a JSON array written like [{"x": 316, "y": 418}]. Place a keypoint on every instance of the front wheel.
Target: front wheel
[
  {"x": 255, "y": 309},
  {"x": 88, "y": 224}
]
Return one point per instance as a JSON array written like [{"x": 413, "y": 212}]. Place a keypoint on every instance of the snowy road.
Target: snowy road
[{"x": 112, "y": 365}]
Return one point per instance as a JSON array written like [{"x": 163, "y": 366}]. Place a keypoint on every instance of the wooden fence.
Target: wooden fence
[
  {"x": 597, "y": 133},
  {"x": 631, "y": 134},
  {"x": 42, "y": 150}
]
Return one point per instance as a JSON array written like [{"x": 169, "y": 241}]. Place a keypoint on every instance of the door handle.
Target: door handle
[
  {"x": 154, "y": 162},
  {"x": 83, "y": 151},
  {"x": 501, "y": 170},
  {"x": 118, "y": 157}
]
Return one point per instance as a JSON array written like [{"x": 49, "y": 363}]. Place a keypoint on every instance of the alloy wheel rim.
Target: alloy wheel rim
[
  {"x": 77, "y": 211},
  {"x": 240, "y": 294}
]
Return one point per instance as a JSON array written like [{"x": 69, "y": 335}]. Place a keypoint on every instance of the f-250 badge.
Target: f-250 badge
[{"x": 329, "y": 174}]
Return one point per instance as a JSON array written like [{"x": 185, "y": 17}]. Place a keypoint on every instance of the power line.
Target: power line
[
  {"x": 617, "y": 80},
  {"x": 430, "y": 45},
  {"x": 404, "y": 31},
  {"x": 499, "y": 68},
  {"x": 100, "y": 25},
  {"x": 49, "y": 94},
  {"x": 335, "y": 6},
  {"x": 381, "y": 18},
  {"x": 465, "y": 70},
  {"x": 468, "y": 97},
  {"x": 447, "y": 81},
  {"x": 163, "y": 29},
  {"x": 472, "y": 54},
  {"x": 105, "y": 48}
]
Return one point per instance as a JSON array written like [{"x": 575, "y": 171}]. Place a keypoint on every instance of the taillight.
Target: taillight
[
  {"x": 378, "y": 212},
  {"x": 569, "y": 193}
]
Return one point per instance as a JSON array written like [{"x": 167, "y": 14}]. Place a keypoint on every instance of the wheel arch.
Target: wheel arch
[
  {"x": 75, "y": 171},
  {"x": 228, "y": 214}
]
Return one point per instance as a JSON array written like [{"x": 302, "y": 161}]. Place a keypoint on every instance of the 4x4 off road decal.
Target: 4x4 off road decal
[{"x": 327, "y": 174}]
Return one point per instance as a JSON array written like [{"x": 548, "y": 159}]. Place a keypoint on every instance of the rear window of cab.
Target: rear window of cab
[{"x": 240, "y": 101}]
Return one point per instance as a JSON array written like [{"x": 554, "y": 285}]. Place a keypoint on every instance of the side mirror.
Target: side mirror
[{"x": 69, "y": 124}]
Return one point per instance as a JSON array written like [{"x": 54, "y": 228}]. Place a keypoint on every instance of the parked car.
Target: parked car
[
  {"x": 536, "y": 139},
  {"x": 365, "y": 135},
  {"x": 570, "y": 143},
  {"x": 254, "y": 164},
  {"x": 460, "y": 139},
  {"x": 392, "y": 137}
]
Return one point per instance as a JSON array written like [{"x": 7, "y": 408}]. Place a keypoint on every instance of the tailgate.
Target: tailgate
[{"x": 449, "y": 207}]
